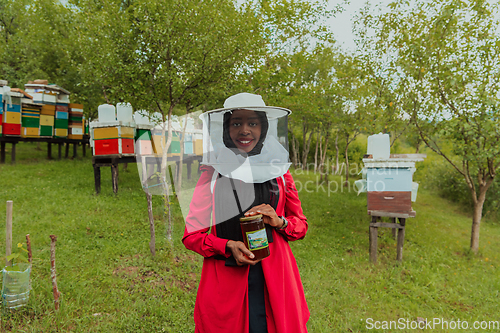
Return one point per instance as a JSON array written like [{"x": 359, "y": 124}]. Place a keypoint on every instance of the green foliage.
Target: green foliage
[
  {"x": 37, "y": 42},
  {"x": 17, "y": 257}
]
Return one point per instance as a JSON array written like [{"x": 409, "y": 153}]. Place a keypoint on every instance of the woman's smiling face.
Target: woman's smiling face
[{"x": 245, "y": 129}]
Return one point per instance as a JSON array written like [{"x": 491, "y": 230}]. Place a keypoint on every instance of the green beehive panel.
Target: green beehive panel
[
  {"x": 30, "y": 122},
  {"x": 61, "y": 123},
  {"x": 77, "y": 119},
  {"x": 142, "y": 134},
  {"x": 175, "y": 146},
  {"x": 46, "y": 130}
]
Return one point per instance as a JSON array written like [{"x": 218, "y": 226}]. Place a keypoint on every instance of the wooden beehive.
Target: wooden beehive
[
  {"x": 112, "y": 138},
  {"x": 389, "y": 184}
]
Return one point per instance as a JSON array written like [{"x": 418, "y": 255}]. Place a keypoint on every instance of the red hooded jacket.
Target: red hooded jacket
[{"x": 222, "y": 300}]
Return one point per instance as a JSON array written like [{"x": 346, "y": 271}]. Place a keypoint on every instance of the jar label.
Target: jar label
[{"x": 257, "y": 239}]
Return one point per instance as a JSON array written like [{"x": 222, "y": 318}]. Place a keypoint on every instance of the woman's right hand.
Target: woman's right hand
[{"x": 240, "y": 253}]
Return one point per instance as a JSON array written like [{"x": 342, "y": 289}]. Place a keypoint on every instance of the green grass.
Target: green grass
[{"x": 111, "y": 283}]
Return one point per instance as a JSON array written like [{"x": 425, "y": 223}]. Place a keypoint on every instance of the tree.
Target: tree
[
  {"x": 447, "y": 59},
  {"x": 37, "y": 43}
]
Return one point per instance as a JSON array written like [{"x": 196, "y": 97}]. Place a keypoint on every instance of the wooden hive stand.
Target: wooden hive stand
[{"x": 396, "y": 226}]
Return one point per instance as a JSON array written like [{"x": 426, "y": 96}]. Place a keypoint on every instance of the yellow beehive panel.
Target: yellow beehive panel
[
  {"x": 198, "y": 147},
  {"x": 61, "y": 132},
  {"x": 30, "y": 132},
  {"x": 46, "y": 120},
  {"x": 127, "y": 132},
  {"x": 48, "y": 109},
  {"x": 105, "y": 133},
  {"x": 157, "y": 148},
  {"x": 12, "y": 117}
]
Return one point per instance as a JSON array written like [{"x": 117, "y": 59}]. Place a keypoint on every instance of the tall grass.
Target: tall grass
[{"x": 111, "y": 283}]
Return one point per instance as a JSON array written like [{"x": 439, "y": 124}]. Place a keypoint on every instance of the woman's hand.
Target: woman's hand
[
  {"x": 240, "y": 253},
  {"x": 268, "y": 215}
]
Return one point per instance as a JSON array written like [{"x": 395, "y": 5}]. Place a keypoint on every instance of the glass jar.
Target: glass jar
[{"x": 255, "y": 236}]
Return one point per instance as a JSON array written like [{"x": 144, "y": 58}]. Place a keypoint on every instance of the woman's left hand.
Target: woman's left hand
[{"x": 268, "y": 215}]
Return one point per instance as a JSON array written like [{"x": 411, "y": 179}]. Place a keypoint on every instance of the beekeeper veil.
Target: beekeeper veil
[{"x": 268, "y": 157}]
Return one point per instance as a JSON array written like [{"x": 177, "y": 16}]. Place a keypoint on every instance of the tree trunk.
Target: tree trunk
[
  {"x": 346, "y": 161},
  {"x": 323, "y": 158},
  {"x": 318, "y": 139},
  {"x": 181, "y": 158},
  {"x": 152, "y": 240},
  {"x": 297, "y": 152},
  {"x": 305, "y": 151},
  {"x": 477, "y": 216},
  {"x": 337, "y": 153},
  {"x": 293, "y": 155}
]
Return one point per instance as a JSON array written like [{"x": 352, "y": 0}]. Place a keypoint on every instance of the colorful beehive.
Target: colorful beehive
[
  {"x": 159, "y": 142},
  {"x": 48, "y": 109},
  {"x": 76, "y": 124},
  {"x": 61, "y": 121},
  {"x": 30, "y": 118},
  {"x": 111, "y": 137},
  {"x": 12, "y": 114}
]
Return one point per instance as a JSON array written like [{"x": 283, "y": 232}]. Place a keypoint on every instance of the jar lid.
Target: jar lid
[{"x": 250, "y": 218}]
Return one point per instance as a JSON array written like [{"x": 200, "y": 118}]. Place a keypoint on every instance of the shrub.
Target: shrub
[{"x": 451, "y": 185}]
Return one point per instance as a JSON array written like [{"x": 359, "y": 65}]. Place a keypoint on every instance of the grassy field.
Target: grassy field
[{"x": 110, "y": 282}]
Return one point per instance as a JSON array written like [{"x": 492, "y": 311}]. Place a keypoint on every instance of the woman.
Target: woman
[{"x": 246, "y": 173}]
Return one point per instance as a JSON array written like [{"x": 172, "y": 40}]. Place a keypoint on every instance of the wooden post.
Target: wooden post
[
  {"x": 28, "y": 246},
  {"x": 67, "y": 151},
  {"x": 53, "y": 270},
  {"x": 13, "y": 160},
  {"x": 401, "y": 239},
  {"x": 188, "y": 168},
  {"x": 49, "y": 151},
  {"x": 8, "y": 232},
  {"x": 83, "y": 148},
  {"x": 2, "y": 152},
  {"x": 97, "y": 179},
  {"x": 59, "y": 148},
  {"x": 394, "y": 231},
  {"x": 373, "y": 241},
  {"x": 74, "y": 150}
]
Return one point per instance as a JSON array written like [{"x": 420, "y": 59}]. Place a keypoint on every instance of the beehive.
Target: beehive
[
  {"x": 30, "y": 118},
  {"x": 159, "y": 141},
  {"x": 76, "y": 124},
  {"x": 12, "y": 114},
  {"x": 112, "y": 138},
  {"x": 389, "y": 183}
]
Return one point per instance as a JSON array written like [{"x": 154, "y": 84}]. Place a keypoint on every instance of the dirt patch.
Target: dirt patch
[{"x": 139, "y": 277}]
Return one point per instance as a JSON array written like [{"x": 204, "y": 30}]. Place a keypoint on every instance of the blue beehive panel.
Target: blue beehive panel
[
  {"x": 1, "y": 104},
  {"x": 188, "y": 148},
  {"x": 13, "y": 107},
  {"x": 389, "y": 179},
  {"x": 61, "y": 115}
]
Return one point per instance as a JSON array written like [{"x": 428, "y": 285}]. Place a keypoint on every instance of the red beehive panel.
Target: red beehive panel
[
  {"x": 11, "y": 129},
  {"x": 127, "y": 146},
  {"x": 106, "y": 147}
]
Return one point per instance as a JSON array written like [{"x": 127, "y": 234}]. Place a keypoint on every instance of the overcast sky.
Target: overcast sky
[{"x": 341, "y": 24}]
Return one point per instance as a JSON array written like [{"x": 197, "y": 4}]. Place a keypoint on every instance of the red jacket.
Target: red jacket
[{"x": 222, "y": 300}]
